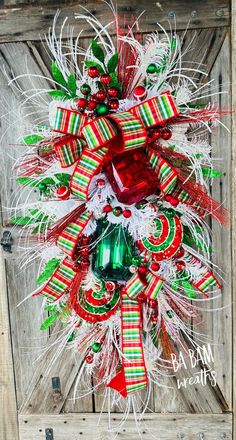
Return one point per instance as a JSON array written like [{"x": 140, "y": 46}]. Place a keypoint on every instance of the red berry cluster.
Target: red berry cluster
[
  {"x": 160, "y": 133},
  {"x": 104, "y": 100}
]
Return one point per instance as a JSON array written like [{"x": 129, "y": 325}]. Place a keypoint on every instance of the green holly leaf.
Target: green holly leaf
[
  {"x": 33, "y": 211},
  {"x": 63, "y": 178},
  {"x": 32, "y": 139},
  {"x": 49, "y": 321},
  {"x": 89, "y": 64},
  {"x": 57, "y": 75},
  {"x": 211, "y": 173},
  {"x": 97, "y": 51},
  {"x": 48, "y": 270},
  {"x": 50, "y": 308},
  {"x": 71, "y": 85},
  {"x": 60, "y": 94},
  {"x": 112, "y": 63},
  {"x": 27, "y": 181},
  {"x": 21, "y": 221},
  {"x": 188, "y": 289}
]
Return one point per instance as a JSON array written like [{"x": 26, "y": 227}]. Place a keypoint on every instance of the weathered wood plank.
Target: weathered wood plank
[
  {"x": 159, "y": 426},
  {"x": 24, "y": 22},
  {"x": 233, "y": 198},
  {"x": 40, "y": 398},
  {"x": 27, "y": 339},
  {"x": 8, "y": 412},
  {"x": 220, "y": 321}
]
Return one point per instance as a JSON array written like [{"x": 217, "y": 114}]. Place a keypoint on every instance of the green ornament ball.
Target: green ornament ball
[
  {"x": 151, "y": 68},
  {"x": 117, "y": 211},
  {"x": 42, "y": 187},
  {"x": 96, "y": 347},
  {"x": 102, "y": 109},
  {"x": 85, "y": 89},
  {"x": 136, "y": 260}
]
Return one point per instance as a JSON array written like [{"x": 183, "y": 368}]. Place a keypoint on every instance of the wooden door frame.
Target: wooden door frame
[{"x": 63, "y": 422}]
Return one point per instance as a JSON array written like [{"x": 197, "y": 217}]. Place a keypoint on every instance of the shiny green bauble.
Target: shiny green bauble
[
  {"x": 85, "y": 89},
  {"x": 117, "y": 211},
  {"x": 42, "y": 187},
  {"x": 102, "y": 109},
  {"x": 96, "y": 347},
  {"x": 151, "y": 68}
]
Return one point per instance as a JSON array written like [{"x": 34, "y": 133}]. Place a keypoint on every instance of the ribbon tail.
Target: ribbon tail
[{"x": 118, "y": 383}]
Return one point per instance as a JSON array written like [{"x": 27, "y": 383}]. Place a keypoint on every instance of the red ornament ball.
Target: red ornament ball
[
  {"x": 112, "y": 92},
  {"x": 174, "y": 202},
  {"x": 101, "y": 95},
  {"x": 114, "y": 104},
  {"x": 63, "y": 192},
  {"x": 105, "y": 79},
  {"x": 92, "y": 104},
  {"x": 180, "y": 265},
  {"x": 127, "y": 213},
  {"x": 107, "y": 209},
  {"x": 84, "y": 252},
  {"x": 82, "y": 102},
  {"x": 141, "y": 297},
  {"x": 89, "y": 359},
  {"x": 168, "y": 197},
  {"x": 93, "y": 72},
  {"x": 156, "y": 134},
  {"x": 142, "y": 270},
  {"x": 155, "y": 266},
  {"x": 166, "y": 134},
  {"x": 140, "y": 92}
]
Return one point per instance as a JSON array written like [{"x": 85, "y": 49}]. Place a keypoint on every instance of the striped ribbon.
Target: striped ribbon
[
  {"x": 156, "y": 110},
  {"x": 204, "y": 278},
  {"x": 184, "y": 197},
  {"x": 133, "y": 361},
  {"x": 60, "y": 281},
  {"x": 86, "y": 168},
  {"x": 135, "y": 285},
  {"x": 68, "y": 239},
  {"x": 133, "y": 132},
  {"x": 69, "y": 121},
  {"x": 166, "y": 175},
  {"x": 68, "y": 149},
  {"x": 98, "y": 132}
]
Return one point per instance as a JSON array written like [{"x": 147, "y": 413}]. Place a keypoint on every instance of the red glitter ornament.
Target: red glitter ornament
[
  {"x": 92, "y": 104},
  {"x": 93, "y": 72},
  {"x": 105, "y": 79},
  {"x": 110, "y": 286},
  {"x": 156, "y": 134},
  {"x": 166, "y": 134},
  {"x": 127, "y": 213},
  {"x": 112, "y": 92},
  {"x": 101, "y": 95},
  {"x": 141, "y": 297},
  {"x": 84, "y": 252},
  {"x": 82, "y": 102},
  {"x": 140, "y": 92},
  {"x": 174, "y": 202},
  {"x": 63, "y": 192},
  {"x": 180, "y": 265},
  {"x": 114, "y": 104},
  {"x": 152, "y": 303}
]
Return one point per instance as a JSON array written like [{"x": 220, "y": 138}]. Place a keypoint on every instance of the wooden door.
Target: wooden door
[{"x": 36, "y": 405}]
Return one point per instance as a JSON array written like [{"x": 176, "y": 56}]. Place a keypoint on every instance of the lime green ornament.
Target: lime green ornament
[
  {"x": 151, "y": 68},
  {"x": 96, "y": 347},
  {"x": 102, "y": 109}
]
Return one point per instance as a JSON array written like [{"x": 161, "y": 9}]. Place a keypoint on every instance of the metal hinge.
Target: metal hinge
[
  {"x": 7, "y": 241},
  {"x": 56, "y": 386},
  {"x": 49, "y": 434}
]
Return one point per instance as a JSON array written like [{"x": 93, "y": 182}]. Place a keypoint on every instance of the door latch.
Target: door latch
[
  {"x": 49, "y": 434},
  {"x": 7, "y": 241}
]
